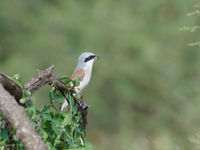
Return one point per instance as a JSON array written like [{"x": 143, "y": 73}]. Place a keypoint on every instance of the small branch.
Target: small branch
[
  {"x": 16, "y": 116},
  {"x": 44, "y": 77}
]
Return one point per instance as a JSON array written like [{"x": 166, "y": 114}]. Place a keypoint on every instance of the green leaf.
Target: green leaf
[
  {"x": 31, "y": 110},
  {"x": 2, "y": 144},
  {"x": 75, "y": 109},
  {"x": 88, "y": 146},
  {"x": 69, "y": 118},
  {"x": 57, "y": 122},
  {"x": 78, "y": 95},
  {"x": 1, "y": 113},
  {"x": 56, "y": 96},
  {"x": 52, "y": 93},
  {"x": 49, "y": 145},
  {"x": 55, "y": 128},
  {"x": 72, "y": 146},
  {"x": 43, "y": 134},
  {"x": 17, "y": 77},
  {"x": 71, "y": 102},
  {"x": 46, "y": 116},
  {"x": 22, "y": 100},
  {"x": 77, "y": 81},
  {"x": 53, "y": 148},
  {"x": 66, "y": 80},
  {"x": 59, "y": 98},
  {"x": 46, "y": 109},
  {"x": 71, "y": 84},
  {"x": 27, "y": 93},
  {"x": 4, "y": 134},
  {"x": 78, "y": 117}
]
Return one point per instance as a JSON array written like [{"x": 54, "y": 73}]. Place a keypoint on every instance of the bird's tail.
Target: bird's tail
[{"x": 64, "y": 105}]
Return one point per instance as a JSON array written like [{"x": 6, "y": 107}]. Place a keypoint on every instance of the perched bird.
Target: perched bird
[{"x": 83, "y": 70}]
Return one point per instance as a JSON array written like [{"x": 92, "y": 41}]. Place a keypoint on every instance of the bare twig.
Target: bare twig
[
  {"x": 16, "y": 116},
  {"x": 42, "y": 78}
]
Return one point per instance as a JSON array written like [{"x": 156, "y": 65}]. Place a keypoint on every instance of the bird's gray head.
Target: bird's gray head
[{"x": 86, "y": 59}]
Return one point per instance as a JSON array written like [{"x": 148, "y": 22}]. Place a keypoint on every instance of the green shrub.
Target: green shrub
[{"x": 59, "y": 130}]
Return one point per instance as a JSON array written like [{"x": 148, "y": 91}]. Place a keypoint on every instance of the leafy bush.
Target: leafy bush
[{"x": 59, "y": 130}]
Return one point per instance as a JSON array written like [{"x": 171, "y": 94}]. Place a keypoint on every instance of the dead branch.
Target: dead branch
[
  {"x": 16, "y": 116},
  {"x": 44, "y": 77}
]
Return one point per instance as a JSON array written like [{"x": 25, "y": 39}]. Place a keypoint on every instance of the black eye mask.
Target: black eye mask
[{"x": 89, "y": 58}]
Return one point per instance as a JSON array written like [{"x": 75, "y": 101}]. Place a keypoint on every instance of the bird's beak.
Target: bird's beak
[{"x": 97, "y": 57}]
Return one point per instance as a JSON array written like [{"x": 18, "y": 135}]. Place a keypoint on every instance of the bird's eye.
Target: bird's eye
[{"x": 89, "y": 58}]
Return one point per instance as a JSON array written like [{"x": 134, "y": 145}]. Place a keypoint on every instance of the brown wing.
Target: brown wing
[{"x": 78, "y": 73}]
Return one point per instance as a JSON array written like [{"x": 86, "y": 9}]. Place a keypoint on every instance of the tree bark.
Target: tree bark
[{"x": 16, "y": 116}]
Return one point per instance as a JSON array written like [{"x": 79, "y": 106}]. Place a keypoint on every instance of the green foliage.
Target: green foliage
[
  {"x": 145, "y": 89},
  {"x": 8, "y": 140},
  {"x": 26, "y": 94},
  {"x": 59, "y": 130}
]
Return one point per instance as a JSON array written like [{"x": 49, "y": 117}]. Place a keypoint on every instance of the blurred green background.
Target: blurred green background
[{"x": 145, "y": 90}]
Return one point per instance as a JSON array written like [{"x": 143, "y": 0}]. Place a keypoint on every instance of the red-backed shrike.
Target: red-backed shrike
[{"x": 83, "y": 70}]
